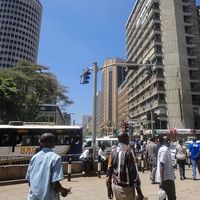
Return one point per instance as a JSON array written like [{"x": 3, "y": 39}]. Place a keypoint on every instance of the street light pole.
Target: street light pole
[{"x": 95, "y": 70}]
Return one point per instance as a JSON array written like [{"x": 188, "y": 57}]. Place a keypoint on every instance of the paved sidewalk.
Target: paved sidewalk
[{"x": 93, "y": 188}]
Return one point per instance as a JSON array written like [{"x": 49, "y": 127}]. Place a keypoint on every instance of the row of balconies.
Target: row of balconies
[
  {"x": 142, "y": 79},
  {"x": 139, "y": 88},
  {"x": 132, "y": 26},
  {"x": 154, "y": 10},
  {"x": 152, "y": 48},
  {"x": 146, "y": 87},
  {"x": 136, "y": 43},
  {"x": 155, "y": 104},
  {"x": 142, "y": 98},
  {"x": 141, "y": 31},
  {"x": 137, "y": 29},
  {"x": 146, "y": 44}
]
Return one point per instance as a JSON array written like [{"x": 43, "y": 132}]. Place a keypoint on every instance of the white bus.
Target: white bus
[{"x": 21, "y": 141}]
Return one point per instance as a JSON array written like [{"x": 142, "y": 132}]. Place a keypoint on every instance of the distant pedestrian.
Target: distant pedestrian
[
  {"x": 150, "y": 156},
  {"x": 165, "y": 172},
  {"x": 102, "y": 157},
  {"x": 102, "y": 152},
  {"x": 87, "y": 160},
  {"x": 181, "y": 155},
  {"x": 138, "y": 147},
  {"x": 122, "y": 174},
  {"x": 45, "y": 171},
  {"x": 194, "y": 149}
]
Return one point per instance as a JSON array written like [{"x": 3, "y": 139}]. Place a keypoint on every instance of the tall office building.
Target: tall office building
[
  {"x": 20, "y": 22},
  {"x": 165, "y": 32},
  {"x": 99, "y": 114},
  {"x": 87, "y": 123},
  {"x": 122, "y": 104},
  {"x": 112, "y": 78}
]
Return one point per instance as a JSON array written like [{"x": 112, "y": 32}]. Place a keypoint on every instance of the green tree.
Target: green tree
[
  {"x": 25, "y": 87},
  {"x": 87, "y": 133}
]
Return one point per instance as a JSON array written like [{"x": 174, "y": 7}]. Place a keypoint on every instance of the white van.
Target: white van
[{"x": 108, "y": 142}]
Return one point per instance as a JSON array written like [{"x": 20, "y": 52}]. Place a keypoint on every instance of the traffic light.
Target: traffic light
[{"x": 85, "y": 76}]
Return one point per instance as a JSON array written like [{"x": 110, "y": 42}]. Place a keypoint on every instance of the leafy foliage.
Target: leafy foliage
[{"x": 24, "y": 88}]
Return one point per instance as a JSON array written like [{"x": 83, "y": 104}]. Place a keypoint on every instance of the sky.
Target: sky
[{"x": 76, "y": 33}]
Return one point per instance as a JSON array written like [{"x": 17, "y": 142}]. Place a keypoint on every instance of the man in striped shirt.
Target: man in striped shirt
[{"x": 122, "y": 172}]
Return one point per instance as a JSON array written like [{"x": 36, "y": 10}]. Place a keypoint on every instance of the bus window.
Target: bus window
[
  {"x": 18, "y": 140},
  {"x": 4, "y": 140},
  {"x": 60, "y": 139},
  {"x": 63, "y": 140},
  {"x": 23, "y": 140},
  {"x": 36, "y": 140},
  {"x": 76, "y": 140},
  {"x": 66, "y": 139}
]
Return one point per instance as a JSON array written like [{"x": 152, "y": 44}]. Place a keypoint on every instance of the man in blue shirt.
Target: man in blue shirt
[
  {"x": 45, "y": 171},
  {"x": 194, "y": 149}
]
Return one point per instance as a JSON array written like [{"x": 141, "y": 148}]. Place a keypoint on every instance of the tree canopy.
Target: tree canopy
[{"x": 24, "y": 88}]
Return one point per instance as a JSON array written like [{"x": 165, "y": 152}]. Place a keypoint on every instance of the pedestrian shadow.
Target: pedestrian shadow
[{"x": 190, "y": 178}]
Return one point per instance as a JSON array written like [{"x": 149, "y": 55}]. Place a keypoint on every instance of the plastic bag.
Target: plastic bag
[{"x": 161, "y": 194}]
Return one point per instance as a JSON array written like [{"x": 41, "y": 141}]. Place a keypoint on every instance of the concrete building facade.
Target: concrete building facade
[
  {"x": 122, "y": 104},
  {"x": 112, "y": 78},
  {"x": 20, "y": 22},
  {"x": 99, "y": 114},
  {"x": 87, "y": 123},
  {"x": 166, "y": 33},
  {"x": 51, "y": 113}
]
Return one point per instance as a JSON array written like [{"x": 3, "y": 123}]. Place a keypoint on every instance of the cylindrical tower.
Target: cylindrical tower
[{"x": 20, "y": 22}]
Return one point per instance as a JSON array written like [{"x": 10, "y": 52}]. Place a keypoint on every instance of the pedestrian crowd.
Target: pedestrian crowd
[
  {"x": 158, "y": 159},
  {"x": 123, "y": 180}
]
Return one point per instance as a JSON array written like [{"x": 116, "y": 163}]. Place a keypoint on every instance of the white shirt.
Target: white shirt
[
  {"x": 164, "y": 156},
  {"x": 181, "y": 152},
  {"x": 85, "y": 154},
  {"x": 102, "y": 153}
]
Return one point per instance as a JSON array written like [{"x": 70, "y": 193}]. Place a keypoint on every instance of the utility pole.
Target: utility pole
[{"x": 95, "y": 70}]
